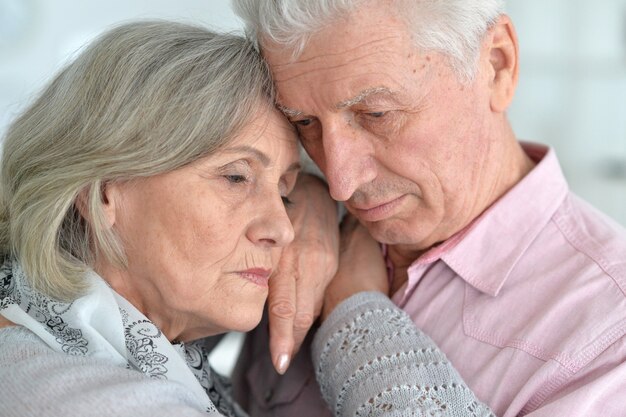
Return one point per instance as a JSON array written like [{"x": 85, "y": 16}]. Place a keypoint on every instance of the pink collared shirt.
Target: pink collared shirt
[{"x": 529, "y": 302}]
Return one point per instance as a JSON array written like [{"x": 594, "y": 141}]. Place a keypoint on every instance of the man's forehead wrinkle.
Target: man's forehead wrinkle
[
  {"x": 323, "y": 67},
  {"x": 360, "y": 59},
  {"x": 333, "y": 54},
  {"x": 279, "y": 68}
]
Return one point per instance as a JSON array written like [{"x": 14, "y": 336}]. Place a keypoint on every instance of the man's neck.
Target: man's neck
[{"x": 401, "y": 258}]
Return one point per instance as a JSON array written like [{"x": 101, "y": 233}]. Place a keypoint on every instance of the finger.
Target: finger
[
  {"x": 282, "y": 313},
  {"x": 306, "y": 302}
]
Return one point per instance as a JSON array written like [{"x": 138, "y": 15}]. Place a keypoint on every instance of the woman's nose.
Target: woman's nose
[{"x": 272, "y": 226}]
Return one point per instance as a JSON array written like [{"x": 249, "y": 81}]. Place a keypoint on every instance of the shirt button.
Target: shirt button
[{"x": 269, "y": 393}]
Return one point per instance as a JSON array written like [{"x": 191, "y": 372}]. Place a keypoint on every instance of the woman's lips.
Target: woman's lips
[
  {"x": 259, "y": 276},
  {"x": 379, "y": 212}
]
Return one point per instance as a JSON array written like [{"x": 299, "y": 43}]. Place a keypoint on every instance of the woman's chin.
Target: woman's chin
[
  {"x": 247, "y": 324},
  {"x": 250, "y": 316},
  {"x": 240, "y": 324},
  {"x": 246, "y": 319}
]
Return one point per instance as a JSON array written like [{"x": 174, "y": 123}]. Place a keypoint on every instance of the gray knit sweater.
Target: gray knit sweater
[{"x": 370, "y": 361}]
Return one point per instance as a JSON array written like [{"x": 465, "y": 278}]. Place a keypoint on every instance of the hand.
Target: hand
[
  {"x": 306, "y": 267},
  {"x": 361, "y": 266}
]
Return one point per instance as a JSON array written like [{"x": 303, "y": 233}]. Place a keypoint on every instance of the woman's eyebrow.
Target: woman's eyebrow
[
  {"x": 257, "y": 154},
  {"x": 261, "y": 156}
]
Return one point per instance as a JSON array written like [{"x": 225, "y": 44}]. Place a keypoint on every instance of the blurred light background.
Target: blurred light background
[{"x": 572, "y": 92}]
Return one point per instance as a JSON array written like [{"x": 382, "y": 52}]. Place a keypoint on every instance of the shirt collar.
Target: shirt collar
[{"x": 485, "y": 252}]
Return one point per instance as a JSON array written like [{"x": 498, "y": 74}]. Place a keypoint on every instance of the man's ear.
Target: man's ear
[
  {"x": 503, "y": 54},
  {"x": 107, "y": 193}
]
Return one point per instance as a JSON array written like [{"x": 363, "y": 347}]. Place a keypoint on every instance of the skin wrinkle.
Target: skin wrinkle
[
  {"x": 443, "y": 159},
  {"x": 182, "y": 268},
  {"x": 323, "y": 63},
  {"x": 330, "y": 54},
  {"x": 338, "y": 67},
  {"x": 290, "y": 113}
]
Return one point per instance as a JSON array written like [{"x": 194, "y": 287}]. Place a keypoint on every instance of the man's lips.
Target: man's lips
[{"x": 378, "y": 211}]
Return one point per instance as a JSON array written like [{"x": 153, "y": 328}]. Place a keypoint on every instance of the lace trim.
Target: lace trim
[
  {"x": 351, "y": 329},
  {"x": 371, "y": 350},
  {"x": 422, "y": 401},
  {"x": 387, "y": 365}
]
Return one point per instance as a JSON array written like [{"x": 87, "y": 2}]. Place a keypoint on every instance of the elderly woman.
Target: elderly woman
[
  {"x": 143, "y": 207},
  {"x": 142, "y": 210}
]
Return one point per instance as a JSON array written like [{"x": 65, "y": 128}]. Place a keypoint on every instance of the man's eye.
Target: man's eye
[
  {"x": 377, "y": 114},
  {"x": 302, "y": 122},
  {"x": 236, "y": 179},
  {"x": 286, "y": 201}
]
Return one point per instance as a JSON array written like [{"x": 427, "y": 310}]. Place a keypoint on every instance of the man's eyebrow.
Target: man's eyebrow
[
  {"x": 289, "y": 112},
  {"x": 363, "y": 95}
]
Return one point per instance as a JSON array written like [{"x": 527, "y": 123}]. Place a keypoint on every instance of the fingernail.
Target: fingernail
[{"x": 283, "y": 363}]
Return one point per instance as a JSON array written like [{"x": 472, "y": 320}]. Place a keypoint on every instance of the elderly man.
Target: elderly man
[{"x": 402, "y": 105}]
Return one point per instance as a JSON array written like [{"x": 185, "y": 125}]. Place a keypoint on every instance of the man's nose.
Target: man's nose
[{"x": 348, "y": 160}]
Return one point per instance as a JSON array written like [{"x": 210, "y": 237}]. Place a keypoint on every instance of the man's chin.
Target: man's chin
[{"x": 385, "y": 231}]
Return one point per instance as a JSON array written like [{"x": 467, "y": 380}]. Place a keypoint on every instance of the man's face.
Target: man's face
[{"x": 400, "y": 139}]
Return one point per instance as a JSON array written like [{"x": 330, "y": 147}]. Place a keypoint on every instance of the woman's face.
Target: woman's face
[{"x": 202, "y": 240}]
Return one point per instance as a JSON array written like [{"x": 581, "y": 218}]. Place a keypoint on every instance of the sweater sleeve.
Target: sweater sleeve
[
  {"x": 35, "y": 381},
  {"x": 371, "y": 360}
]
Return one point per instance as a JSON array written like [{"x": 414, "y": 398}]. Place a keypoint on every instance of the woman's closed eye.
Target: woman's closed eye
[
  {"x": 237, "y": 172},
  {"x": 236, "y": 178}
]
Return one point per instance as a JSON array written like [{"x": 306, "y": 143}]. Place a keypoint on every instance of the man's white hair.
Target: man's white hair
[{"x": 452, "y": 27}]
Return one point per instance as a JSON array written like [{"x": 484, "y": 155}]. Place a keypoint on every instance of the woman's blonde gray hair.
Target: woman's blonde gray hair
[
  {"x": 143, "y": 99},
  {"x": 454, "y": 28}
]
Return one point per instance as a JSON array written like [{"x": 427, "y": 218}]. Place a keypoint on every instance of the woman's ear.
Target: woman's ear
[
  {"x": 107, "y": 194},
  {"x": 503, "y": 55}
]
